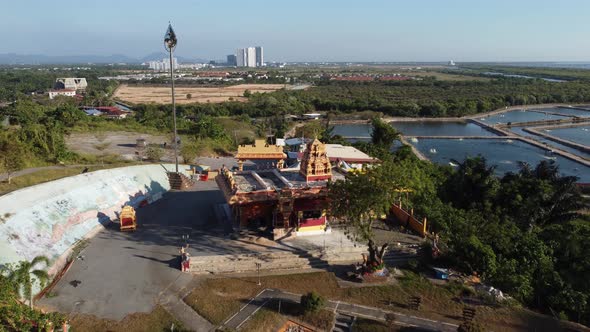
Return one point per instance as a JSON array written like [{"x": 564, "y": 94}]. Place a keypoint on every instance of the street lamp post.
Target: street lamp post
[{"x": 170, "y": 42}]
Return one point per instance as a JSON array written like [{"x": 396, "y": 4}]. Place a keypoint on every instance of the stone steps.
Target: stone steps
[
  {"x": 287, "y": 261},
  {"x": 343, "y": 323}
]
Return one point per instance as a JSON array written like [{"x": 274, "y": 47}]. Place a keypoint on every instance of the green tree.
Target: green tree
[
  {"x": 189, "y": 151},
  {"x": 383, "y": 134},
  {"x": 20, "y": 277},
  {"x": 312, "y": 302},
  {"x": 473, "y": 185},
  {"x": 358, "y": 200},
  {"x": 12, "y": 156}
]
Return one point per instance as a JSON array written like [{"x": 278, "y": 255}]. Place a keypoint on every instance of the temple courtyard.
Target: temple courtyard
[{"x": 118, "y": 273}]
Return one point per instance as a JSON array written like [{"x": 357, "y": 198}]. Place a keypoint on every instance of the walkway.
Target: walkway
[
  {"x": 247, "y": 311},
  {"x": 190, "y": 320}
]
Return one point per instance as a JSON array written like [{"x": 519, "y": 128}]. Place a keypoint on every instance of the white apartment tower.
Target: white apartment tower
[{"x": 249, "y": 57}]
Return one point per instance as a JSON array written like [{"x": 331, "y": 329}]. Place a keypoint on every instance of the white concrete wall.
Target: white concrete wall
[{"x": 47, "y": 219}]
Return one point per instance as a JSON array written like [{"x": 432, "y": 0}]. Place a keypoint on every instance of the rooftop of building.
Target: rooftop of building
[
  {"x": 273, "y": 180},
  {"x": 335, "y": 152},
  {"x": 348, "y": 154}
]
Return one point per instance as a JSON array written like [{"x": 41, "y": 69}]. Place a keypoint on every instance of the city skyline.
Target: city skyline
[{"x": 339, "y": 31}]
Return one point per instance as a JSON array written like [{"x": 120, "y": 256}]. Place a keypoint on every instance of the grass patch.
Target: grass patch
[
  {"x": 102, "y": 125},
  {"x": 369, "y": 325},
  {"x": 218, "y": 299},
  {"x": 269, "y": 318},
  {"x": 264, "y": 320},
  {"x": 47, "y": 175},
  {"x": 157, "y": 321},
  {"x": 237, "y": 129}
]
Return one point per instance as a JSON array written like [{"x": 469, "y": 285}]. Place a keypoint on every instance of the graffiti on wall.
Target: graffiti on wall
[{"x": 48, "y": 219}]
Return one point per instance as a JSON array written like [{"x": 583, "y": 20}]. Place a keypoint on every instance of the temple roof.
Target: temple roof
[{"x": 260, "y": 150}]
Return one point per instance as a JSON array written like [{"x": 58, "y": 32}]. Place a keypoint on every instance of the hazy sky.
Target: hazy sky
[{"x": 305, "y": 30}]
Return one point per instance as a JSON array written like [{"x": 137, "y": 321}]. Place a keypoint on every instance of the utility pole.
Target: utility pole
[
  {"x": 258, "y": 268},
  {"x": 170, "y": 42}
]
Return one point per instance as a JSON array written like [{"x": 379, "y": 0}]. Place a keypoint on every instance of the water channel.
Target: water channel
[
  {"x": 580, "y": 135},
  {"x": 505, "y": 154}
]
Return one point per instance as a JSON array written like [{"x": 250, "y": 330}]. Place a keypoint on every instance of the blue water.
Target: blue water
[
  {"x": 353, "y": 130},
  {"x": 417, "y": 128},
  {"x": 522, "y": 76},
  {"x": 580, "y": 135},
  {"x": 549, "y": 143},
  {"x": 518, "y": 116},
  {"x": 505, "y": 154},
  {"x": 439, "y": 128},
  {"x": 566, "y": 111}
]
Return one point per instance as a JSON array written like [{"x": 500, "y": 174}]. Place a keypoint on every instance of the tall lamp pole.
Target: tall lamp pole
[{"x": 170, "y": 44}]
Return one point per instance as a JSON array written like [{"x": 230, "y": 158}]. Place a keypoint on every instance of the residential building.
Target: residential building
[
  {"x": 259, "y": 56},
  {"x": 251, "y": 57},
  {"x": 163, "y": 65},
  {"x": 231, "y": 60},
  {"x": 241, "y": 57},
  {"x": 246, "y": 57}
]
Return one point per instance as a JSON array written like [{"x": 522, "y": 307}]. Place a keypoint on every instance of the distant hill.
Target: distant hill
[{"x": 41, "y": 59}]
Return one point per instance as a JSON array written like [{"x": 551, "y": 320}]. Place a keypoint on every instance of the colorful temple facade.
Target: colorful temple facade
[{"x": 291, "y": 202}]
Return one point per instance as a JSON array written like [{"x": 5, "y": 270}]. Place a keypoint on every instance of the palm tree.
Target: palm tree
[{"x": 20, "y": 277}]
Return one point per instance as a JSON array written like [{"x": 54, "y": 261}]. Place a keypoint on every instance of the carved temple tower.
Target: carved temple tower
[{"x": 315, "y": 165}]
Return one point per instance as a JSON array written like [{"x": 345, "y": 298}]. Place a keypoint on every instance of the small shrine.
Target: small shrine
[{"x": 315, "y": 164}]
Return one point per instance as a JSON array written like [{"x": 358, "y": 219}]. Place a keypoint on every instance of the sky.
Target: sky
[{"x": 305, "y": 30}]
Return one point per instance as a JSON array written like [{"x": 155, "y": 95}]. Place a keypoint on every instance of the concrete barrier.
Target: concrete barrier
[{"x": 49, "y": 218}]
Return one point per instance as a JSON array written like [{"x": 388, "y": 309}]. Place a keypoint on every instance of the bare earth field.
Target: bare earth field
[
  {"x": 162, "y": 95},
  {"x": 114, "y": 143}
]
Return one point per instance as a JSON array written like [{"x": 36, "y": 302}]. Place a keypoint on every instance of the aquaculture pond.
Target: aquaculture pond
[{"x": 505, "y": 154}]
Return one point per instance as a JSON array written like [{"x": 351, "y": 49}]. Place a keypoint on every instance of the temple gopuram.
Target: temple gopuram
[{"x": 291, "y": 202}]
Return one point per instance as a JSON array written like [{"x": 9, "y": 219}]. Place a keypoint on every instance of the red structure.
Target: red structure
[{"x": 291, "y": 202}]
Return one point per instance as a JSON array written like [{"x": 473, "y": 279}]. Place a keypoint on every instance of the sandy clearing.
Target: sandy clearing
[{"x": 159, "y": 95}]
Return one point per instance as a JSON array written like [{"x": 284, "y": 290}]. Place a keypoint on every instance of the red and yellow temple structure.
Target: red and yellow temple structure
[
  {"x": 260, "y": 150},
  {"x": 291, "y": 202}
]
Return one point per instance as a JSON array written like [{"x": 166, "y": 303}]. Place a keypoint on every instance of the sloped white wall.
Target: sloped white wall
[{"x": 47, "y": 219}]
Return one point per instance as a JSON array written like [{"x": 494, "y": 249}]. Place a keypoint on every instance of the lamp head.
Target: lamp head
[{"x": 170, "y": 38}]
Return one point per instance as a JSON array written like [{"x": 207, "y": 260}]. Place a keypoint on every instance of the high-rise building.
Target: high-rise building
[
  {"x": 231, "y": 60},
  {"x": 249, "y": 57},
  {"x": 241, "y": 57},
  {"x": 259, "y": 56}
]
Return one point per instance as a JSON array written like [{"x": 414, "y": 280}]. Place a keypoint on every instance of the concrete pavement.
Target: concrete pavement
[{"x": 123, "y": 273}]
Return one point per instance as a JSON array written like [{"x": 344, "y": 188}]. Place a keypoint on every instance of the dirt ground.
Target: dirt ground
[
  {"x": 113, "y": 143},
  {"x": 161, "y": 95}
]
